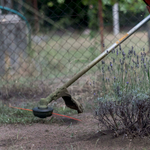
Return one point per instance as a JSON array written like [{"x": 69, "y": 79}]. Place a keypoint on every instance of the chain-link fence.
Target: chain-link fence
[{"x": 45, "y": 43}]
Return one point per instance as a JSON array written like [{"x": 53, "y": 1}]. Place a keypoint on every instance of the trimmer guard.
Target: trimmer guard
[{"x": 71, "y": 102}]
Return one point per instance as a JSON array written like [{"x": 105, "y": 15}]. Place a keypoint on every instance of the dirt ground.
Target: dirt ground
[{"x": 66, "y": 134}]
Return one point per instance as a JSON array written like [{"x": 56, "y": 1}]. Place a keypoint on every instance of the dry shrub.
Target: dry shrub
[{"x": 127, "y": 114}]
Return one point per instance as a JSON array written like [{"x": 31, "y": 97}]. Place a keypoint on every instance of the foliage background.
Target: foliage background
[{"x": 72, "y": 13}]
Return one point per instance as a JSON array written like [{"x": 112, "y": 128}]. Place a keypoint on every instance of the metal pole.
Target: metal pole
[
  {"x": 101, "y": 24},
  {"x": 116, "y": 19}
]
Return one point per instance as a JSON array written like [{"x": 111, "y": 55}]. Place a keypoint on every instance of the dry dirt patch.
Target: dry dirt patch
[{"x": 65, "y": 134}]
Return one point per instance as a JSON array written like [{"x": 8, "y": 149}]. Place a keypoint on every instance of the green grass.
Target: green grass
[
  {"x": 64, "y": 110},
  {"x": 13, "y": 116},
  {"x": 67, "y": 55},
  {"x": 10, "y": 115}
]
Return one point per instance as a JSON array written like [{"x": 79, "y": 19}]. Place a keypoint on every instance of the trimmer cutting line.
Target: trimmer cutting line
[
  {"x": 50, "y": 113},
  {"x": 44, "y": 111}
]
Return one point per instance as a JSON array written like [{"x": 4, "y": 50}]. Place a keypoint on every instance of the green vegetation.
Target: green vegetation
[
  {"x": 13, "y": 116},
  {"x": 64, "y": 110},
  {"x": 16, "y": 116},
  {"x": 85, "y": 12},
  {"x": 124, "y": 99},
  {"x": 66, "y": 56},
  {"x": 128, "y": 70}
]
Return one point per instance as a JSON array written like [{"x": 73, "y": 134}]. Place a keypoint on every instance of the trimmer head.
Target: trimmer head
[{"x": 42, "y": 113}]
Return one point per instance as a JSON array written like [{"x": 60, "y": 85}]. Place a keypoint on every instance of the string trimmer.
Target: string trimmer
[{"x": 44, "y": 111}]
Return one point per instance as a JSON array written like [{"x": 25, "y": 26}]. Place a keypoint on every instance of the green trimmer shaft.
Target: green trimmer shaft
[{"x": 62, "y": 91}]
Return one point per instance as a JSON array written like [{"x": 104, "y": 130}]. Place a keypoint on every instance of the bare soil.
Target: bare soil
[{"x": 66, "y": 134}]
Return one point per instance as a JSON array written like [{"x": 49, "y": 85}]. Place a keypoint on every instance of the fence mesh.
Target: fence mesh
[{"x": 45, "y": 43}]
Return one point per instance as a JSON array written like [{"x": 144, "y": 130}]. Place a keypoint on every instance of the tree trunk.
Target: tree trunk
[
  {"x": 101, "y": 26},
  {"x": 36, "y": 19}
]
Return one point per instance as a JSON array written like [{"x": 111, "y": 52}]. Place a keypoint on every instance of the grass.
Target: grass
[
  {"x": 16, "y": 116},
  {"x": 65, "y": 110},
  {"x": 13, "y": 116},
  {"x": 65, "y": 56}
]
